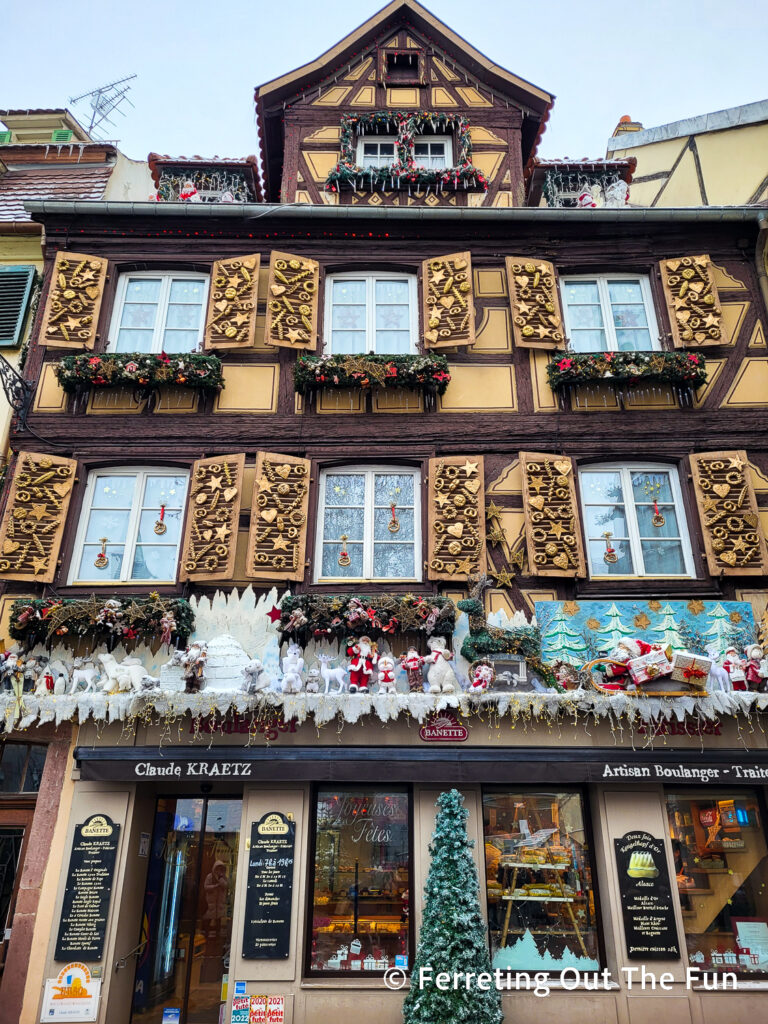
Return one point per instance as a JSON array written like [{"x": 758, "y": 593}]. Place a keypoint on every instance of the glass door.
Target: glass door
[
  {"x": 188, "y": 906},
  {"x": 13, "y": 828}
]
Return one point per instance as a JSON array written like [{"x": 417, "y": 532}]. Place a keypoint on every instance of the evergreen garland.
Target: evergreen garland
[
  {"x": 317, "y": 616},
  {"x": 427, "y": 373},
  {"x": 453, "y": 935},
  {"x": 682, "y": 369},
  {"x": 139, "y": 370}
]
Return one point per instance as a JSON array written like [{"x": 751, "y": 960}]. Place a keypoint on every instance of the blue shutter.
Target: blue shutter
[{"x": 15, "y": 290}]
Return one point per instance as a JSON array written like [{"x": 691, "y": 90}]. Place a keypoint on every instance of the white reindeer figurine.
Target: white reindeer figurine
[
  {"x": 331, "y": 675},
  {"x": 83, "y": 672}
]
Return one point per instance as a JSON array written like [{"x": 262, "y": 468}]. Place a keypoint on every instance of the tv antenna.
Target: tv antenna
[{"x": 104, "y": 101}]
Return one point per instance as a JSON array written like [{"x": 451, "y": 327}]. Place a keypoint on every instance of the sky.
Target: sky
[{"x": 197, "y": 63}]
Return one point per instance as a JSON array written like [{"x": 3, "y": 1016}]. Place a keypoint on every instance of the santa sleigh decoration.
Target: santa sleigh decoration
[{"x": 635, "y": 666}]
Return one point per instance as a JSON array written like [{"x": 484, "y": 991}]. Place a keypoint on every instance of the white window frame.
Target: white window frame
[
  {"x": 370, "y": 277},
  {"x": 626, "y": 469},
  {"x": 605, "y": 307},
  {"x": 132, "y": 530},
  {"x": 166, "y": 277},
  {"x": 447, "y": 141},
  {"x": 380, "y": 137},
  {"x": 368, "y": 577}
]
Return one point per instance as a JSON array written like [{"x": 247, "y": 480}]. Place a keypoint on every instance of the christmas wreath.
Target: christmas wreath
[
  {"x": 319, "y": 617},
  {"x": 404, "y": 172},
  {"x": 139, "y": 370},
  {"x": 150, "y": 619},
  {"x": 681, "y": 369},
  {"x": 426, "y": 373}
]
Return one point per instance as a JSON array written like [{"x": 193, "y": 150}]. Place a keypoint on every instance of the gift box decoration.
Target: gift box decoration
[
  {"x": 649, "y": 666},
  {"x": 691, "y": 668}
]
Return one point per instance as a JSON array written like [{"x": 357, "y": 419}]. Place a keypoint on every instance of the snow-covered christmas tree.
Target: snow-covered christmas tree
[
  {"x": 453, "y": 937},
  {"x": 562, "y": 642},
  {"x": 670, "y": 633},
  {"x": 615, "y": 629},
  {"x": 720, "y": 631}
]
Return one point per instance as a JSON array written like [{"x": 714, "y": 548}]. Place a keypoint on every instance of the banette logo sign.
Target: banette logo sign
[{"x": 444, "y": 728}]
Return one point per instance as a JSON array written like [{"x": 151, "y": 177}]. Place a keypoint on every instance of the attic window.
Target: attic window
[{"x": 403, "y": 67}]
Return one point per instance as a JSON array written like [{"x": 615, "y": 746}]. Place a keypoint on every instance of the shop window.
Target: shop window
[
  {"x": 609, "y": 313},
  {"x": 361, "y": 882},
  {"x": 21, "y": 767},
  {"x": 131, "y": 526},
  {"x": 157, "y": 312},
  {"x": 634, "y": 521},
  {"x": 721, "y": 863},
  {"x": 369, "y": 525},
  {"x": 542, "y": 905},
  {"x": 371, "y": 313}
]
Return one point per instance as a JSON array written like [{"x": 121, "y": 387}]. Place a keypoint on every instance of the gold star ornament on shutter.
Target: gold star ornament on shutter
[
  {"x": 231, "y": 317},
  {"x": 71, "y": 312},
  {"x": 448, "y": 301}
]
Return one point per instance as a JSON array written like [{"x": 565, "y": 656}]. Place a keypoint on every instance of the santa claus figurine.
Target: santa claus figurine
[
  {"x": 482, "y": 677},
  {"x": 412, "y": 662},
  {"x": 363, "y": 658},
  {"x": 188, "y": 193},
  {"x": 754, "y": 668},
  {"x": 617, "y": 675},
  {"x": 734, "y": 666}
]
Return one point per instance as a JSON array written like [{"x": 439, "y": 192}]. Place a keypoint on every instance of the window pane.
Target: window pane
[
  {"x": 107, "y": 523},
  {"x": 389, "y": 487},
  {"x": 605, "y": 517},
  {"x": 392, "y": 561},
  {"x": 623, "y": 567},
  {"x": 721, "y": 865},
  {"x": 629, "y": 316},
  {"x": 393, "y": 318},
  {"x": 601, "y": 486},
  {"x": 348, "y": 342},
  {"x": 136, "y": 314},
  {"x": 383, "y": 519},
  {"x": 348, "y": 291},
  {"x": 111, "y": 571},
  {"x": 12, "y": 760},
  {"x": 171, "y": 521},
  {"x": 360, "y": 898},
  {"x": 634, "y": 341},
  {"x": 421, "y": 149},
  {"x": 348, "y": 318},
  {"x": 581, "y": 291},
  {"x": 113, "y": 491},
  {"x": 331, "y": 567},
  {"x": 586, "y": 316},
  {"x": 387, "y": 149},
  {"x": 393, "y": 342},
  {"x": 35, "y": 767},
  {"x": 663, "y": 558},
  {"x": 542, "y": 907},
  {"x": 625, "y": 291},
  {"x": 345, "y": 489},
  {"x": 134, "y": 341},
  {"x": 343, "y": 520},
  {"x": 370, "y": 149},
  {"x": 187, "y": 291},
  {"x": 391, "y": 290},
  {"x": 588, "y": 341},
  {"x": 180, "y": 341},
  {"x": 165, "y": 490},
  {"x": 183, "y": 315},
  {"x": 645, "y": 514},
  {"x": 649, "y": 485},
  {"x": 143, "y": 289},
  {"x": 154, "y": 562}
]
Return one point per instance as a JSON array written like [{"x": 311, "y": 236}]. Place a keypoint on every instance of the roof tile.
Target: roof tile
[{"x": 50, "y": 183}]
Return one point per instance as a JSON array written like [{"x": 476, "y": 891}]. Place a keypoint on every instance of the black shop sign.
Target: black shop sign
[
  {"x": 83, "y": 922},
  {"x": 647, "y": 902},
  {"x": 269, "y": 891}
]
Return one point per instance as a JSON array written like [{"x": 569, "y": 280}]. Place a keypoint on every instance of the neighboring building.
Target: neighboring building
[
  {"x": 451, "y": 408},
  {"x": 716, "y": 159}
]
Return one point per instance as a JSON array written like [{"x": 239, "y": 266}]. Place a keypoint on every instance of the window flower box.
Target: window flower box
[
  {"x": 150, "y": 619},
  {"x": 627, "y": 370},
  {"x": 141, "y": 371},
  {"x": 427, "y": 374}
]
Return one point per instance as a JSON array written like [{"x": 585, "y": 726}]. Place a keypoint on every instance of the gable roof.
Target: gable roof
[{"x": 49, "y": 182}]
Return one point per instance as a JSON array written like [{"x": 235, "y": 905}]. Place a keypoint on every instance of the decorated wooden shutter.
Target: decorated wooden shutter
[
  {"x": 692, "y": 301},
  {"x": 278, "y": 534},
  {"x": 537, "y": 319},
  {"x": 35, "y": 516},
  {"x": 448, "y": 301},
  {"x": 292, "y": 301},
  {"x": 231, "y": 318},
  {"x": 213, "y": 511},
  {"x": 730, "y": 522},
  {"x": 71, "y": 314},
  {"x": 552, "y": 527},
  {"x": 456, "y": 517}
]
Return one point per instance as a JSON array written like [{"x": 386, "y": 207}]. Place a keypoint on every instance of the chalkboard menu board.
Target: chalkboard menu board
[
  {"x": 647, "y": 902},
  {"x": 269, "y": 894},
  {"x": 89, "y": 889}
]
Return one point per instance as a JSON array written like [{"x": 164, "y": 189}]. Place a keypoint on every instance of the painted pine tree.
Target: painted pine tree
[
  {"x": 720, "y": 631},
  {"x": 670, "y": 634},
  {"x": 615, "y": 630},
  {"x": 562, "y": 642},
  {"x": 453, "y": 936}
]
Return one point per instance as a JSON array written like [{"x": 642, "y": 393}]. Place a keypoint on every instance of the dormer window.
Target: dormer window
[
  {"x": 373, "y": 152},
  {"x": 433, "y": 151}
]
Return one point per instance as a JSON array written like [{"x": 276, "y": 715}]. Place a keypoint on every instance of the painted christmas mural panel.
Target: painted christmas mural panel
[{"x": 578, "y": 631}]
